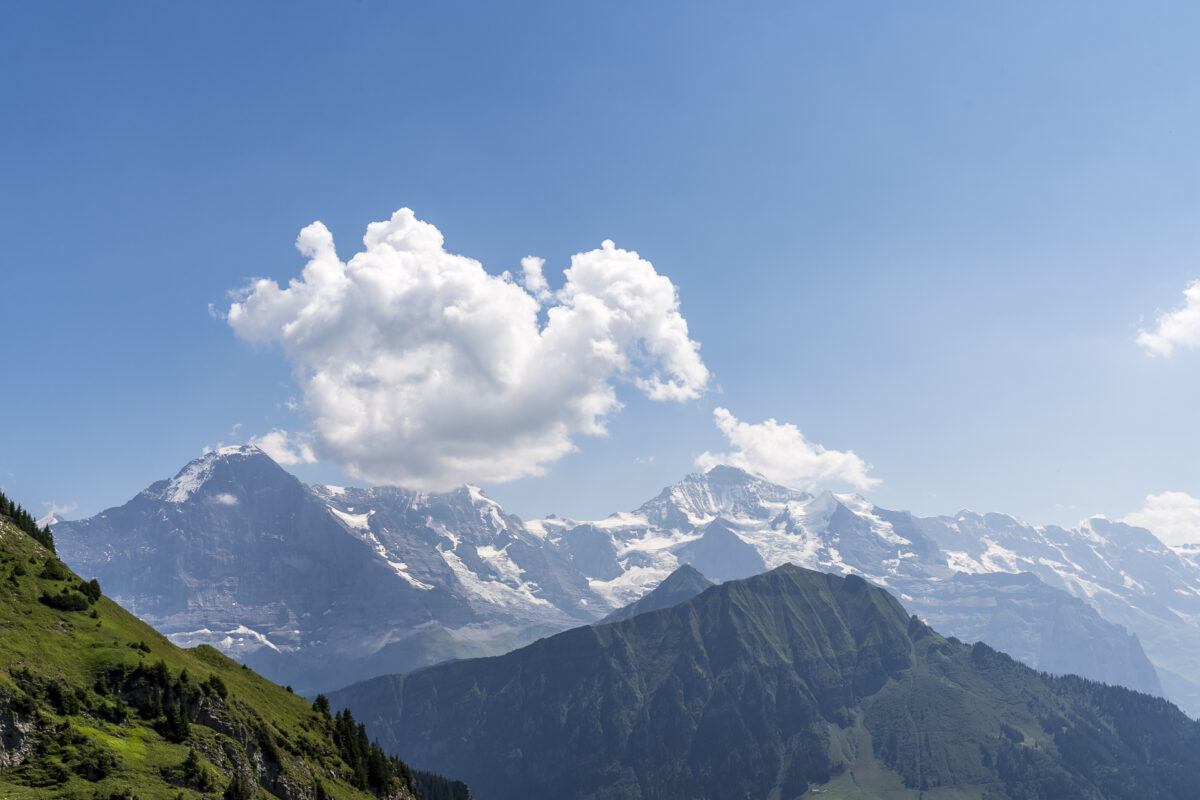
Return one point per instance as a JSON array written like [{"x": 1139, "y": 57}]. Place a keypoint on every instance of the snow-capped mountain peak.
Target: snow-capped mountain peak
[
  {"x": 721, "y": 491},
  {"x": 196, "y": 473}
]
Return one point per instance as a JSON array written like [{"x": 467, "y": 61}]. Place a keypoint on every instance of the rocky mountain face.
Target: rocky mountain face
[
  {"x": 773, "y": 686},
  {"x": 1123, "y": 572},
  {"x": 237, "y": 553},
  {"x": 729, "y": 524},
  {"x": 319, "y": 586}
]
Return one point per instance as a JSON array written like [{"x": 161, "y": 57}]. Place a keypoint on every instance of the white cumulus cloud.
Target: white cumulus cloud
[
  {"x": 285, "y": 447},
  {"x": 780, "y": 453},
  {"x": 1174, "y": 517},
  {"x": 1178, "y": 328},
  {"x": 421, "y": 369}
]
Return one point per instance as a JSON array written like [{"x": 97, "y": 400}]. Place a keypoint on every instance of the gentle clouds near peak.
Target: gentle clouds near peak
[
  {"x": 1178, "y": 328},
  {"x": 780, "y": 453},
  {"x": 1174, "y": 517},
  {"x": 421, "y": 369},
  {"x": 285, "y": 447}
]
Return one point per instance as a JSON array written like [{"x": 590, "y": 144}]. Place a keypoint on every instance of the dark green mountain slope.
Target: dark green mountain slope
[
  {"x": 95, "y": 704},
  {"x": 683, "y": 584},
  {"x": 766, "y": 688}
]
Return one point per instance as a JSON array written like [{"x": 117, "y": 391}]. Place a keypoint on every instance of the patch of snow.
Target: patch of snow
[
  {"x": 193, "y": 634},
  {"x": 781, "y": 545},
  {"x": 1082, "y": 586},
  {"x": 504, "y": 566},
  {"x": 494, "y": 592},
  {"x": 359, "y": 521},
  {"x": 1191, "y": 619},
  {"x": 401, "y": 569},
  {"x": 999, "y": 559},
  {"x": 653, "y": 541},
  {"x": 620, "y": 520},
  {"x": 1086, "y": 531},
  {"x": 242, "y": 630},
  {"x": 865, "y": 510},
  {"x": 1130, "y": 583},
  {"x": 189, "y": 480},
  {"x": 960, "y": 561},
  {"x": 226, "y": 499},
  {"x": 634, "y": 583}
]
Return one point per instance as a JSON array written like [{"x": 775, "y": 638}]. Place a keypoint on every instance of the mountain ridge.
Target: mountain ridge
[
  {"x": 468, "y": 579},
  {"x": 771, "y": 686}
]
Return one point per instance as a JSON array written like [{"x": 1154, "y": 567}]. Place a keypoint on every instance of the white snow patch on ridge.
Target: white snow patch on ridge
[
  {"x": 228, "y": 640},
  {"x": 243, "y": 631},
  {"x": 960, "y": 561},
  {"x": 189, "y": 480},
  {"x": 359, "y": 521},
  {"x": 193, "y": 476},
  {"x": 494, "y": 592},
  {"x": 630, "y": 585}
]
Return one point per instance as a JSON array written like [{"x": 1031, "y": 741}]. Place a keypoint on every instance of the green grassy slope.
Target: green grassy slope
[{"x": 95, "y": 704}]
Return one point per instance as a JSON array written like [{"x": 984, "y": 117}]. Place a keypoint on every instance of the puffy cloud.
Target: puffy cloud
[
  {"x": 1174, "y": 517},
  {"x": 780, "y": 453},
  {"x": 533, "y": 278},
  {"x": 285, "y": 447},
  {"x": 1178, "y": 328},
  {"x": 421, "y": 369}
]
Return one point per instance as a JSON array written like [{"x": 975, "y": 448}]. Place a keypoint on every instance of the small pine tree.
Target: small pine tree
[
  {"x": 174, "y": 727},
  {"x": 238, "y": 789}
]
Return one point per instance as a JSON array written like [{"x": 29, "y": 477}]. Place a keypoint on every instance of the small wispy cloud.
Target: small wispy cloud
[
  {"x": 1174, "y": 517},
  {"x": 286, "y": 447},
  {"x": 779, "y": 452}
]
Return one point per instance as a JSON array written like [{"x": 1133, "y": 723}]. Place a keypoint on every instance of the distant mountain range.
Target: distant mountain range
[
  {"x": 773, "y": 686},
  {"x": 323, "y": 585}
]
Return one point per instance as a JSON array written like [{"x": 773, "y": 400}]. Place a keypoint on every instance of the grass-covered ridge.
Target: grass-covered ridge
[
  {"x": 96, "y": 704},
  {"x": 789, "y": 684}
]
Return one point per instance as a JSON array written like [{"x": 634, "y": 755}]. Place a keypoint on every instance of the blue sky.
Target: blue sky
[{"x": 924, "y": 233}]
